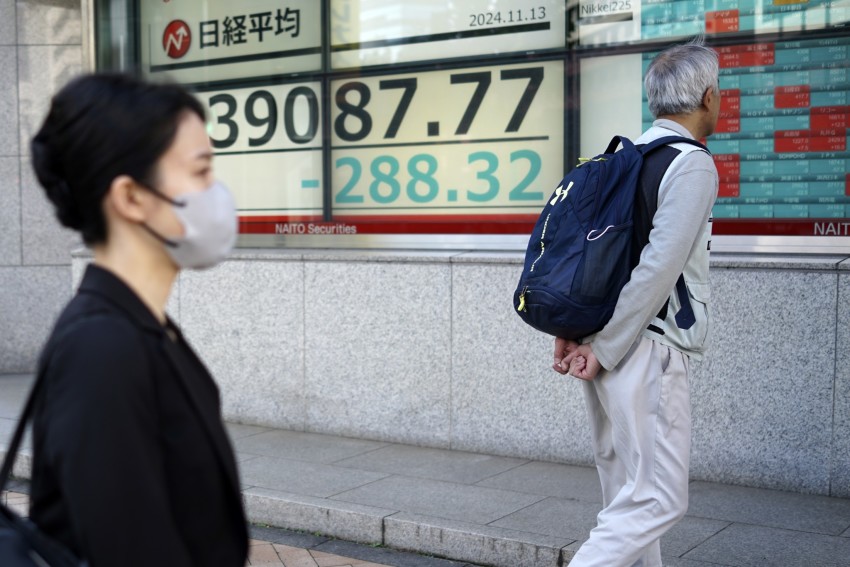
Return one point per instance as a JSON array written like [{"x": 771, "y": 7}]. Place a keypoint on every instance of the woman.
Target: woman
[{"x": 131, "y": 461}]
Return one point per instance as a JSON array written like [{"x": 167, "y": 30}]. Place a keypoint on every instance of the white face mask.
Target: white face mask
[{"x": 210, "y": 227}]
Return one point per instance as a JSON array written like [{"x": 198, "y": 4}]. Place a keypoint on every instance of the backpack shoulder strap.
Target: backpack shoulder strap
[
  {"x": 655, "y": 165},
  {"x": 616, "y": 141}
]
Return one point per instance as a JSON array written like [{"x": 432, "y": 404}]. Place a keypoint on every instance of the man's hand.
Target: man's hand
[
  {"x": 575, "y": 359},
  {"x": 583, "y": 363},
  {"x": 563, "y": 351}
]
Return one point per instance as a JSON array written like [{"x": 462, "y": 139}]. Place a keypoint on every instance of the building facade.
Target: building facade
[{"x": 388, "y": 160}]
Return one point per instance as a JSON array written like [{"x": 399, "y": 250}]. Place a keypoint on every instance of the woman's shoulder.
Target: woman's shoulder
[
  {"x": 93, "y": 343},
  {"x": 86, "y": 315}
]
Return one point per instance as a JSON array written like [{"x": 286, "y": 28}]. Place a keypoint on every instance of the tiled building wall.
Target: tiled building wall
[
  {"x": 840, "y": 463},
  {"x": 424, "y": 348},
  {"x": 40, "y": 50}
]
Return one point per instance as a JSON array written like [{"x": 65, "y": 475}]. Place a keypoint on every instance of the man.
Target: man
[{"x": 636, "y": 368}]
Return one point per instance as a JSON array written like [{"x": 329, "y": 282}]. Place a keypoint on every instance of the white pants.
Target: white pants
[{"x": 640, "y": 420}]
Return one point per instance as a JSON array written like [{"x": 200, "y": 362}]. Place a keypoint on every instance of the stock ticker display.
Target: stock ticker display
[{"x": 781, "y": 143}]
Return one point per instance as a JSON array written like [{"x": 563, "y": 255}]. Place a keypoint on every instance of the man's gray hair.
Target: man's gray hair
[{"x": 678, "y": 77}]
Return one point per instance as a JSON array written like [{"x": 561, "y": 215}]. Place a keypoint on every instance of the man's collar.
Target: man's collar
[{"x": 675, "y": 126}]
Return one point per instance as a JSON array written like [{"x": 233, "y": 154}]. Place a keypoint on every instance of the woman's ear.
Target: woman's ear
[{"x": 127, "y": 200}]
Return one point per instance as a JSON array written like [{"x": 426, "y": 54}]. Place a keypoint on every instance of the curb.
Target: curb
[
  {"x": 458, "y": 541},
  {"x": 450, "y": 539}
]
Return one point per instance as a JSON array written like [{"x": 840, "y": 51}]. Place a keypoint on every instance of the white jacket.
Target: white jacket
[{"x": 679, "y": 242}]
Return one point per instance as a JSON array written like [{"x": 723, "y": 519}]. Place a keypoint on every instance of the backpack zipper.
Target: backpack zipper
[
  {"x": 542, "y": 244},
  {"x": 560, "y": 193},
  {"x": 522, "y": 300}
]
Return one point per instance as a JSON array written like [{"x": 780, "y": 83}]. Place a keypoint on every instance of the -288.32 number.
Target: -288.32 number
[{"x": 423, "y": 187}]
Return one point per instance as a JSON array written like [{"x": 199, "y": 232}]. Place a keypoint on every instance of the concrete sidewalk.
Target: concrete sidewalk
[
  {"x": 276, "y": 547},
  {"x": 494, "y": 510}
]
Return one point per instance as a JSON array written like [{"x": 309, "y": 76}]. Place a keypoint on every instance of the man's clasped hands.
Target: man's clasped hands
[{"x": 575, "y": 359}]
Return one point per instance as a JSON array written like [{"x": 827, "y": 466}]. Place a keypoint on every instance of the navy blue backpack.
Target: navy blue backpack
[{"x": 588, "y": 240}]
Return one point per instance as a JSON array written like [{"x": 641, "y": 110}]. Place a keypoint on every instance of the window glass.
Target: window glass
[
  {"x": 268, "y": 142},
  {"x": 216, "y": 40},
  {"x": 601, "y": 22},
  {"x": 412, "y": 120},
  {"x": 470, "y": 149},
  {"x": 376, "y": 32}
]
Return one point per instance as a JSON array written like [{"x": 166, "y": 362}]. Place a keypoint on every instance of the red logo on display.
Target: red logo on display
[{"x": 176, "y": 39}]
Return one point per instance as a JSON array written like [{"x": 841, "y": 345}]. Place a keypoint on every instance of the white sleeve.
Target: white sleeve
[{"x": 685, "y": 199}]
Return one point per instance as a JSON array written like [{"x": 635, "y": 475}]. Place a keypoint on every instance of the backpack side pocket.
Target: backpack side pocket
[{"x": 605, "y": 266}]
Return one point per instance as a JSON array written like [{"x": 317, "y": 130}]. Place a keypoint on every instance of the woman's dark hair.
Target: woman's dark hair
[{"x": 99, "y": 127}]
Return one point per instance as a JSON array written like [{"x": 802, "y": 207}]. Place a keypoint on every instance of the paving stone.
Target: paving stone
[
  {"x": 689, "y": 533},
  {"x": 7, "y": 426},
  {"x": 441, "y": 499},
  {"x": 301, "y": 477},
  {"x": 291, "y": 552},
  {"x": 261, "y": 553},
  {"x": 17, "y": 485},
  {"x": 300, "y": 446},
  {"x": 667, "y": 560},
  {"x": 679, "y": 562},
  {"x": 384, "y": 555},
  {"x": 846, "y": 534},
  {"x": 758, "y": 506},
  {"x": 293, "y": 557},
  {"x": 436, "y": 464},
  {"x": 353, "y": 522},
  {"x": 328, "y": 560},
  {"x": 17, "y": 502},
  {"x": 475, "y": 543},
  {"x": 575, "y": 519},
  {"x": 550, "y": 479},
  {"x": 15, "y": 388},
  {"x": 559, "y": 517},
  {"x": 238, "y": 431},
  {"x": 744, "y": 545},
  {"x": 23, "y": 464},
  {"x": 331, "y": 560},
  {"x": 286, "y": 537}
]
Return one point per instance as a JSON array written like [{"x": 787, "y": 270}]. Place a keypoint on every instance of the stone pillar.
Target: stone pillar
[{"x": 40, "y": 50}]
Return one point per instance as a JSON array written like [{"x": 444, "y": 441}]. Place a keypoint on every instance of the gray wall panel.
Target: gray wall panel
[
  {"x": 377, "y": 357},
  {"x": 762, "y": 401},
  {"x": 30, "y": 301}
]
